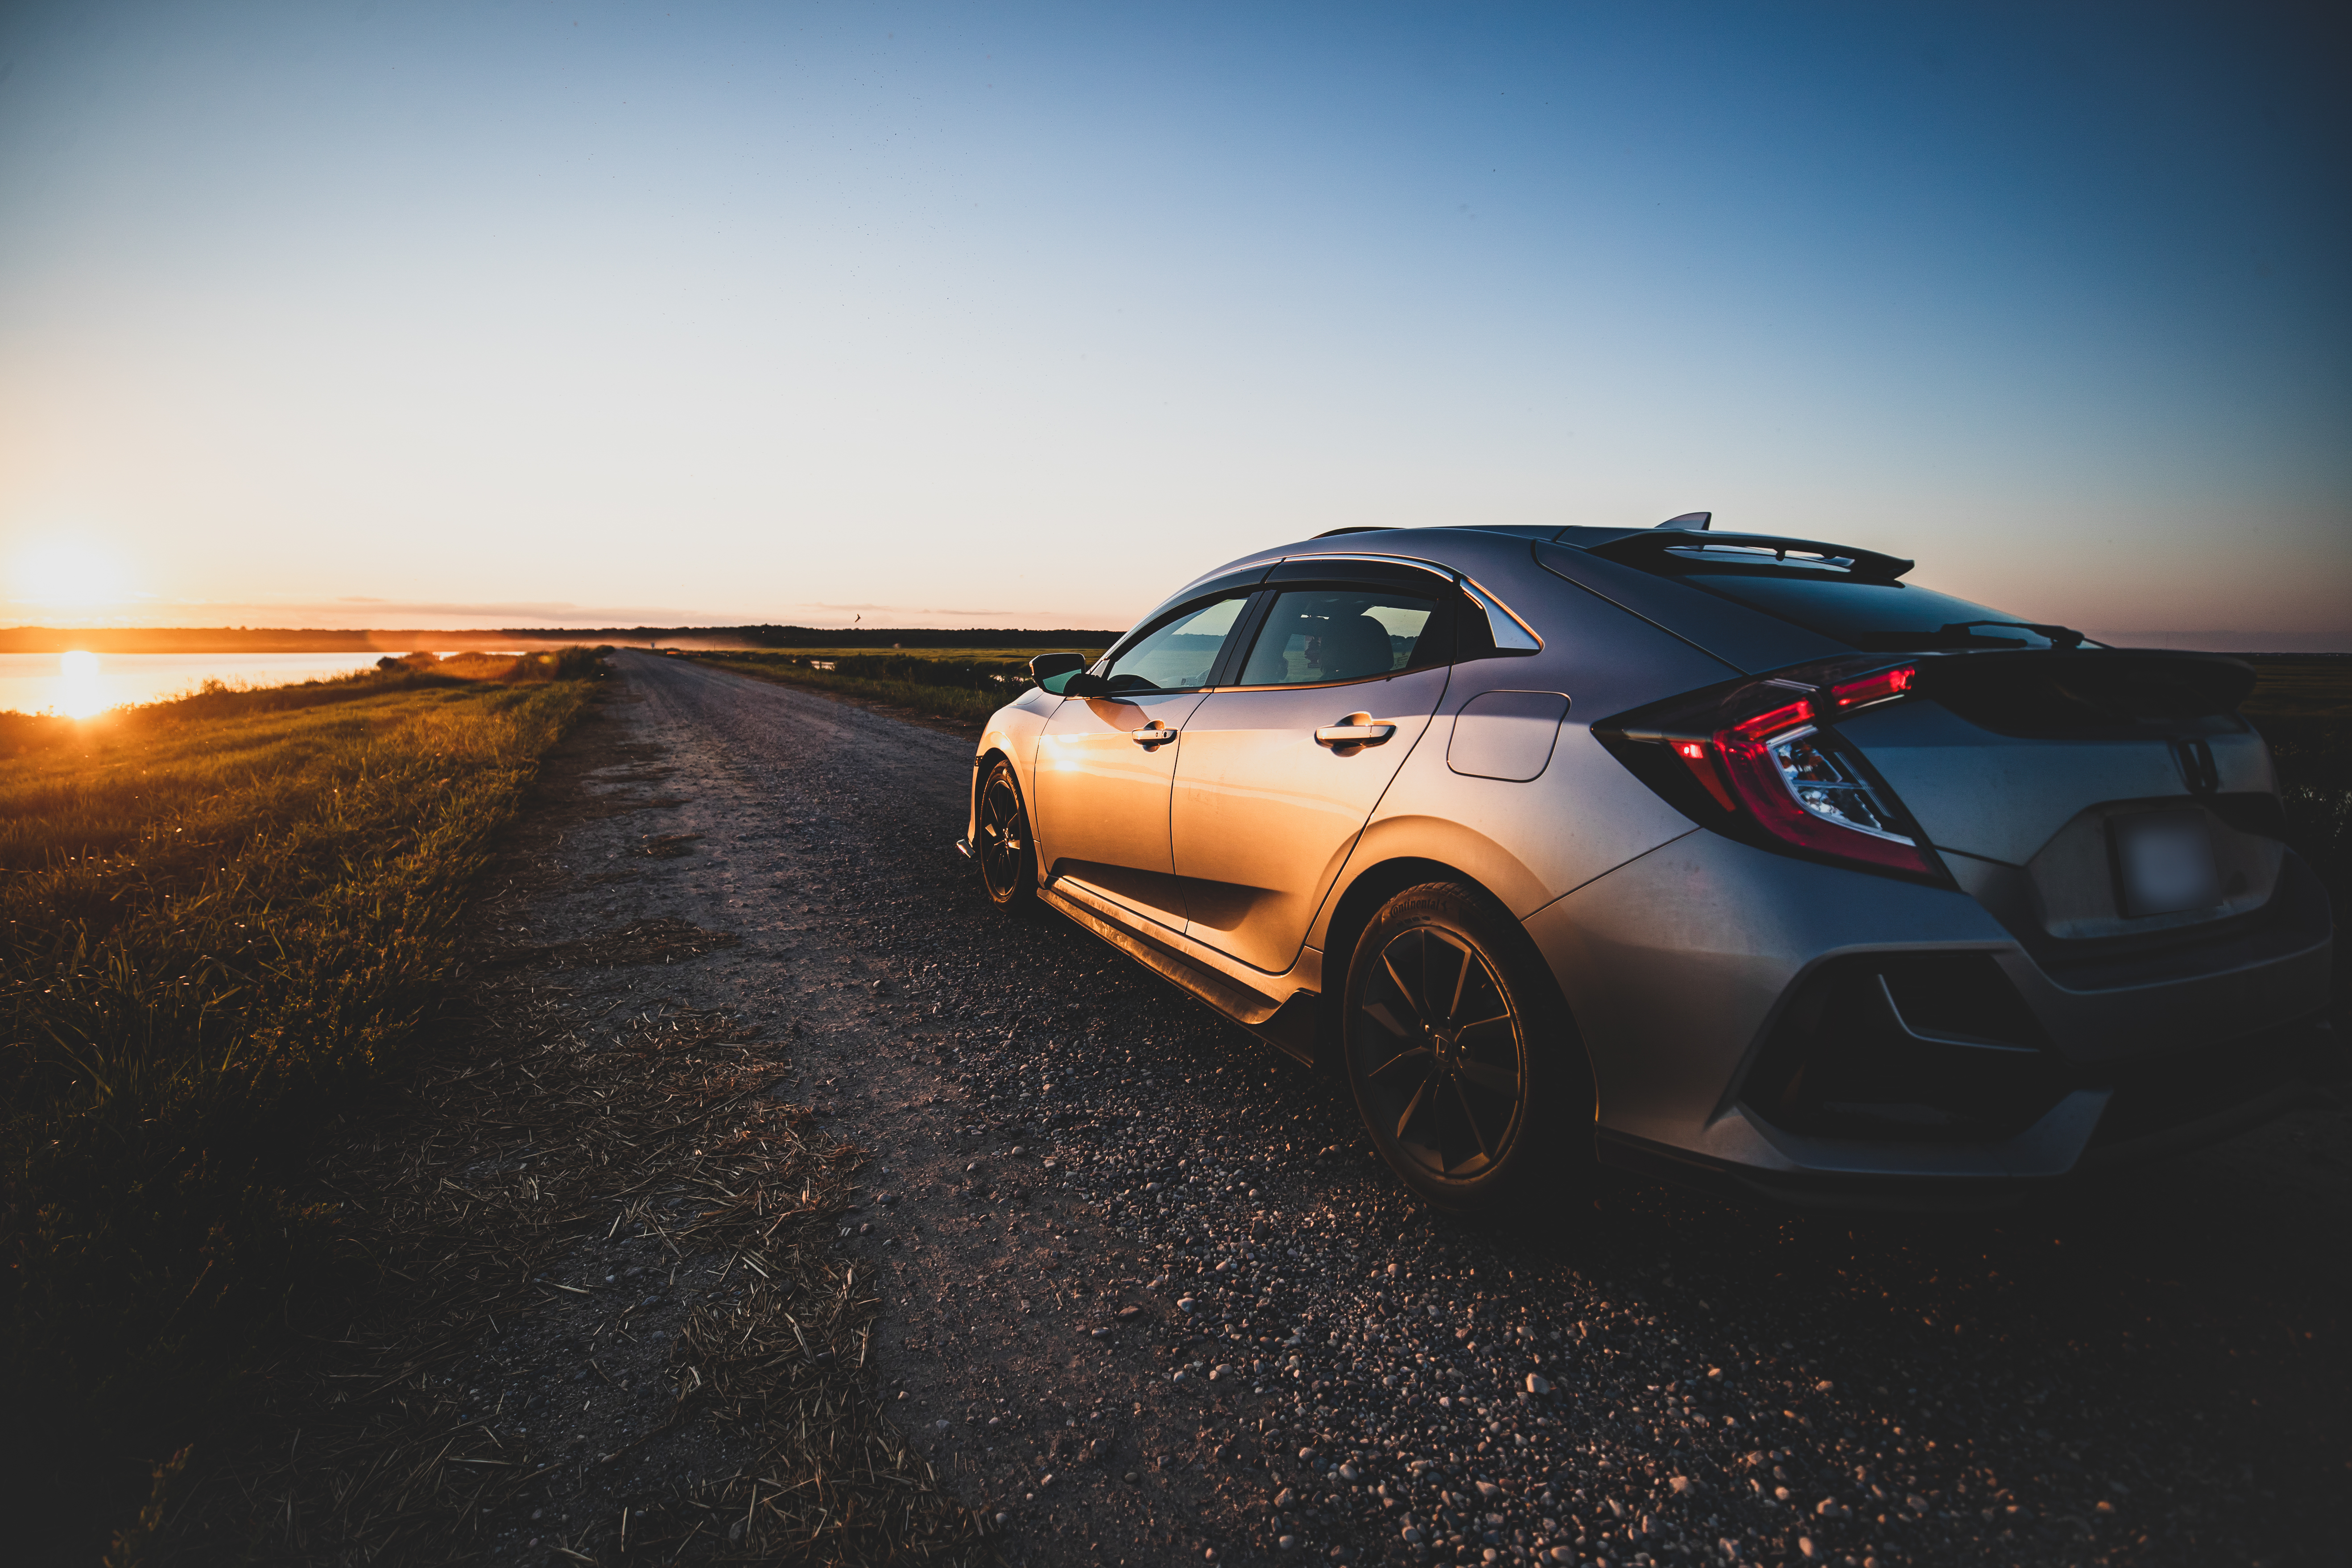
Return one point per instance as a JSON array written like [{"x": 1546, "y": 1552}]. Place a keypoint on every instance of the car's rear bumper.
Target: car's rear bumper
[
  {"x": 2151, "y": 1115},
  {"x": 1747, "y": 1022}
]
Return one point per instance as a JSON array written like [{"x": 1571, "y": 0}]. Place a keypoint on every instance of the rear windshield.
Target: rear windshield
[{"x": 1894, "y": 617}]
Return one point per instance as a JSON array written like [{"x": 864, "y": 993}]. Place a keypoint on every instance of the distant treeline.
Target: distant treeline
[
  {"x": 914, "y": 637},
  {"x": 311, "y": 639}
]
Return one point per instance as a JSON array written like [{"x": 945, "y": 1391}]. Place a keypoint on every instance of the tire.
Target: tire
[
  {"x": 1002, "y": 843},
  {"x": 1463, "y": 1064}
]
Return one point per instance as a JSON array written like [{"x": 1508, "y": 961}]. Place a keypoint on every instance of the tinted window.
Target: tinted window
[
  {"x": 1179, "y": 653},
  {"x": 1338, "y": 634},
  {"x": 1877, "y": 616}
]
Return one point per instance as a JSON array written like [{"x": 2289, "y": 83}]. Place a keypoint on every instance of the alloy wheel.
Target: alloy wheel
[
  {"x": 1440, "y": 1056},
  {"x": 1002, "y": 840}
]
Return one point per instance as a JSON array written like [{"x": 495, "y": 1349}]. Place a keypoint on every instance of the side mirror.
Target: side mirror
[{"x": 1053, "y": 671}]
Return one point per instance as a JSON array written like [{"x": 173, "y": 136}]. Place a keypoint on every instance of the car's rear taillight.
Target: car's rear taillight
[{"x": 1771, "y": 768}]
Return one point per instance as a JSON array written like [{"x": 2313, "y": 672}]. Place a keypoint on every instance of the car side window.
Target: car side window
[
  {"x": 1314, "y": 635},
  {"x": 1179, "y": 653}
]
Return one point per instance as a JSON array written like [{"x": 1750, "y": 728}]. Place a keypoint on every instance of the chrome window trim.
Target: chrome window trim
[{"x": 1493, "y": 605}]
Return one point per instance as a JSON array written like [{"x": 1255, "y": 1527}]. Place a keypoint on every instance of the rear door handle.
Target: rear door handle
[
  {"x": 1152, "y": 734},
  {"x": 1358, "y": 731}
]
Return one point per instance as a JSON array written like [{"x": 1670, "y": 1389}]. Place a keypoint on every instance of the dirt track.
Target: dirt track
[{"x": 1083, "y": 1185}]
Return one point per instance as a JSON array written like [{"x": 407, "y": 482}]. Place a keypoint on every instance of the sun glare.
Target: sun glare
[{"x": 79, "y": 694}]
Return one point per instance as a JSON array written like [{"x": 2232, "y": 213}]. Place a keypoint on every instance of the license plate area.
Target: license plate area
[{"x": 2164, "y": 862}]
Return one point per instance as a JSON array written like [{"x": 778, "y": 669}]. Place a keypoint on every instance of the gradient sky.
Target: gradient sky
[{"x": 517, "y": 313}]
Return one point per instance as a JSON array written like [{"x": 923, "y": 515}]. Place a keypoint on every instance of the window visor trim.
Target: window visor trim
[{"x": 1511, "y": 634}]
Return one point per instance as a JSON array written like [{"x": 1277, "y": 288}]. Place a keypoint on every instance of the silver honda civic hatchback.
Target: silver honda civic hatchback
[{"x": 1722, "y": 857}]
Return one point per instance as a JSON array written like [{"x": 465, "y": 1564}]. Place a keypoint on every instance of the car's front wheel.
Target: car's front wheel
[
  {"x": 1463, "y": 1062},
  {"x": 1008, "y": 859}
]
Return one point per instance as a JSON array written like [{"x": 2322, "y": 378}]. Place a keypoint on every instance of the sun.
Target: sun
[{"x": 66, "y": 572}]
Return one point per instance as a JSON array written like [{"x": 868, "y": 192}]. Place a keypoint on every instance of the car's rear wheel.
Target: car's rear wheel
[
  {"x": 1463, "y": 1062},
  {"x": 1001, "y": 842}
]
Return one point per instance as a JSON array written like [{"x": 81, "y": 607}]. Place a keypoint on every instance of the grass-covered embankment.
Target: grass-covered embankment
[
  {"x": 219, "y": 918},
  {"x": 962, "y": 684},
  {"x": 2302, "y": 705}
]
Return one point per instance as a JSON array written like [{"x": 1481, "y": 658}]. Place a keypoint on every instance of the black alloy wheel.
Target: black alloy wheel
[
  {"x": 1447, "y": 1031},
  {"x": 1008, "y": 864}
]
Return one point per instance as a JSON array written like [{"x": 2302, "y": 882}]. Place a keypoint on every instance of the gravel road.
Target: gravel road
[{"x": 1147, "y": 1298}]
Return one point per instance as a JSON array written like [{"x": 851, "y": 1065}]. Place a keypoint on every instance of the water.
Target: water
[{"x": 80, "y": 684}]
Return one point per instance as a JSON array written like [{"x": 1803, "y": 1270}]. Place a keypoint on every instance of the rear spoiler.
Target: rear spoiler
[{"x": 1653, "y": 547}]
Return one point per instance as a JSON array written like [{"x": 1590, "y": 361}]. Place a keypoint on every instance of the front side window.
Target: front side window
[
  {"x": 1179, "y": 654},
  {"x": 1317, "y": 635}
]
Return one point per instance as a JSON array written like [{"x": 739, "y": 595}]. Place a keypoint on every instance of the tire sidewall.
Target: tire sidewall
[{"x": 1024, "y": 891}]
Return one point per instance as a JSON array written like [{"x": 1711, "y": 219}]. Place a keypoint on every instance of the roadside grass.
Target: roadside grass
[
  {"x": 964, "y": 684},
  {"x": 219, "y": 918}
]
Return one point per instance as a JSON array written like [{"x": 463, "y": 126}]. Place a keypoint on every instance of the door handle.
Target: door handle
[
  {"x": 1152, "y": 734},
  {"x": 1355, "y": 730}
]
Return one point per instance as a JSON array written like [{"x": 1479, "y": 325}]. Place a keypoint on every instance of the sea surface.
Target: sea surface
[{"x": 80, "y": 684}]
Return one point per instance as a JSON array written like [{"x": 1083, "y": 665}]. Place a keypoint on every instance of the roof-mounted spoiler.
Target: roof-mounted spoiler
[{"x": 1636, "y": 549}]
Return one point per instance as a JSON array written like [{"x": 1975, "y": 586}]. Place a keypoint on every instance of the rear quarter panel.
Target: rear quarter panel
[{"x": 1528, "y": 842}]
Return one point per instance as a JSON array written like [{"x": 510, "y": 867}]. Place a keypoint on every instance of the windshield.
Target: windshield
[{"x": 1889, "y": 618}]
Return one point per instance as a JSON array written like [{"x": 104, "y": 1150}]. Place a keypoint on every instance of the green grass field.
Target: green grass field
[{"x": 220, "y": 917}]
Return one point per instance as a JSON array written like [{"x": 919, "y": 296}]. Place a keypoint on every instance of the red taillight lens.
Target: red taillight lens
[
  {"x": 1699, "y": 757},
  {"x": 1783, "y": 717},
  {"x": 1779, "y": 774},
  {"x": 1798, "y": 785},
  {"x": 1876, "y": 686}
]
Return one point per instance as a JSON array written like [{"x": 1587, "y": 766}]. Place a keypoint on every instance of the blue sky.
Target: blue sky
[{"x": 985, "y": 314}]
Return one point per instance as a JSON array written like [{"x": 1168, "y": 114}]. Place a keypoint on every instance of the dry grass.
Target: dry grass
[
  {"x": 219, "y": 918},
  {"x": 663, "y": 940},
  {"x": 670, "y": 1127}
]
